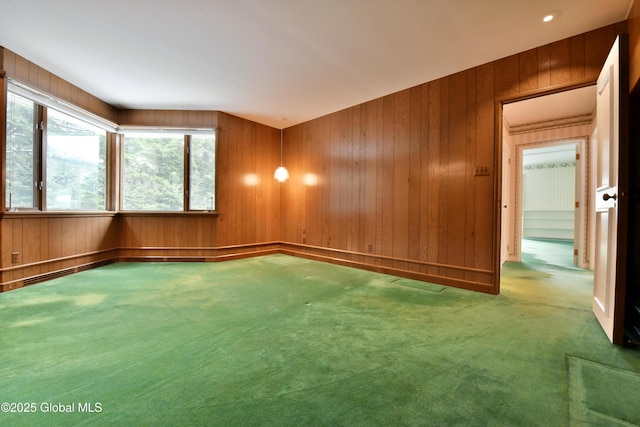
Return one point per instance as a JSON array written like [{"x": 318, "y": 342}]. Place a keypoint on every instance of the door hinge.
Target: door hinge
[
  {"x": 577, "y": 156},
  {"x": 577, "y": 204},
  {"x": 575, "y": 252}
]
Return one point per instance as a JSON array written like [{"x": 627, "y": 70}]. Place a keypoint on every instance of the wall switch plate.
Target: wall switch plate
[{"x": 482, "y": 171}]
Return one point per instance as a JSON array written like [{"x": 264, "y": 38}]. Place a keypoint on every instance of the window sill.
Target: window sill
[
  {"x": 54, "y": 214},
  {"x": 165, "y": 213},
  {"x": 78, "y": 214}
]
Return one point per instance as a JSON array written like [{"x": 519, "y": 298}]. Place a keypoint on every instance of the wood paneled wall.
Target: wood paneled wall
[
  {"x": 393, "y": 183},
  {"x": 46, "y": 245}
]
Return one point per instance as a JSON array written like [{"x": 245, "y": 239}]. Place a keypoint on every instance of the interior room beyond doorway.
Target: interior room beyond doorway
[{"x": 546, "y": 185}]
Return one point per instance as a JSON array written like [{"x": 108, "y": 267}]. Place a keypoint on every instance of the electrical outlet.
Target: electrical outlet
[
  {"x": 369, "y": 247},
  {"x": 482, "y": 171},
  {"x": 15, "y": 257}
]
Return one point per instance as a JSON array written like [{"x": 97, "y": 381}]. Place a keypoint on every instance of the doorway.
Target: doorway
[
  {"x": 546, "y": 187},
  {"x": 608, "y": 195},
  {"x": 552, "y": 196}
]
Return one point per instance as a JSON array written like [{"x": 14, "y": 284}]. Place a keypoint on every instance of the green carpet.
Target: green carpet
[
  {"x": 595, "y": 398},
  {"x": 278, "y": 340}
]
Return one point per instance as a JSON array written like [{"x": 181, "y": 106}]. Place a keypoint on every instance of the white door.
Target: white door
[
  {"x": 505, "y": 232},
  {"x": 607, "y": 197},
  {"x": 577, "y": 229}
]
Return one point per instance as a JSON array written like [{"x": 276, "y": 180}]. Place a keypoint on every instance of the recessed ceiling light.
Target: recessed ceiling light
[{"x": 550, "y": 16}]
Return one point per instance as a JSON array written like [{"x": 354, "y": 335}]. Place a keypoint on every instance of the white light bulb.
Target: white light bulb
[{"x": 282, "y": 174}]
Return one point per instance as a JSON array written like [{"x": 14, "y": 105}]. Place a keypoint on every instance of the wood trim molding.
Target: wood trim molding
[
  {"x": 400, "y": 272},
  {"x": 54, "y": 214},
  {"x": 551, "y": 124},
  {"x": 291, "y": 246},
  {"x": 167, "y": 213},
  {"x": 412, "y": 269},
  {"x": 53, "y": 260},
  {"x": 55, "y": 271},
  {"x": 459, "y": 277}
]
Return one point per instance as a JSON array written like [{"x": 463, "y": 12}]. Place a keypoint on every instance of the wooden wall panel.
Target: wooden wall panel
[
  {"x": 248, "y": 155},
  {"x": 432, "y": 220},
  {"x": 544, "y": 66},
  {"x": 414, "y": 189},
  {"x": 401, "y": 183},
  {"x": 485, "y": 202},
  {"x": 168, "y": 118},
  {"x": 560, "y": 62},
  {"x": 414, "y": 155},
  {"x": 470, "y": 179},
  {"x": 48, "y": 244},
  {"x": 529, "y": 70}
]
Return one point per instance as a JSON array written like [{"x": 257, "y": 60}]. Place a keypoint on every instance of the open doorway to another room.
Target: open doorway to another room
[
  {"x": 546, "y": 182},
  {"x": 550, "y": 198}
]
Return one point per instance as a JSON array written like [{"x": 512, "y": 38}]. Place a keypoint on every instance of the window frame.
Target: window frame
[
  {"x": 187, "y": 133},
  {"x": 113, "y": 157},
  {"x": 42, "y": 103}
]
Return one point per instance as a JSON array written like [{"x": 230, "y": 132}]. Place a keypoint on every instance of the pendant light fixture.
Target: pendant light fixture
[{"x": 282, "y": 174}]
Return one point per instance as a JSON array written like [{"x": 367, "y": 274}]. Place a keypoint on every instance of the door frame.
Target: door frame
[
  {"x": 582, "y": 194},
  {"x": 497, "y": 161}
]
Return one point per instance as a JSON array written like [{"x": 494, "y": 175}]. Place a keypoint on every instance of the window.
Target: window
[
  {"x": 202, "y": 172},
  {"x": 76, "y": 168},
  {"x": 153, "y": 172},
  {"x": 55, "y": 160},
  {"x": 21, "y": 153}
]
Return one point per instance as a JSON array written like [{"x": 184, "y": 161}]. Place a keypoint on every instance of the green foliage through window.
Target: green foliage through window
[
  {"x": 57, "y": 159},
  {"x": 76, "y": 164},
  {"x": 153, "y": 174},
  {"x": 20, "y": 183}
]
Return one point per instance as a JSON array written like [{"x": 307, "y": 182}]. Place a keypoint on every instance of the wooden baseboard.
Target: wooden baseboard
[
  {"x": 49, "y": 269},
  {"x": 460, "y": 277},
  {"x": 410, "y": 269},
  {"x": 198, "y": 258},
  {"x": 39, "y": 278}
]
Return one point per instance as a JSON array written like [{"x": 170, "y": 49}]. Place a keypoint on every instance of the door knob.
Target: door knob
[{"x": 606, "y": 197}]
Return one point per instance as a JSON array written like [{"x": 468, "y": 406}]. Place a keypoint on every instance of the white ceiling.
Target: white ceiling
[
  {"x": 573, "y": 103},
  {"x": 270, "y": 60}
]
